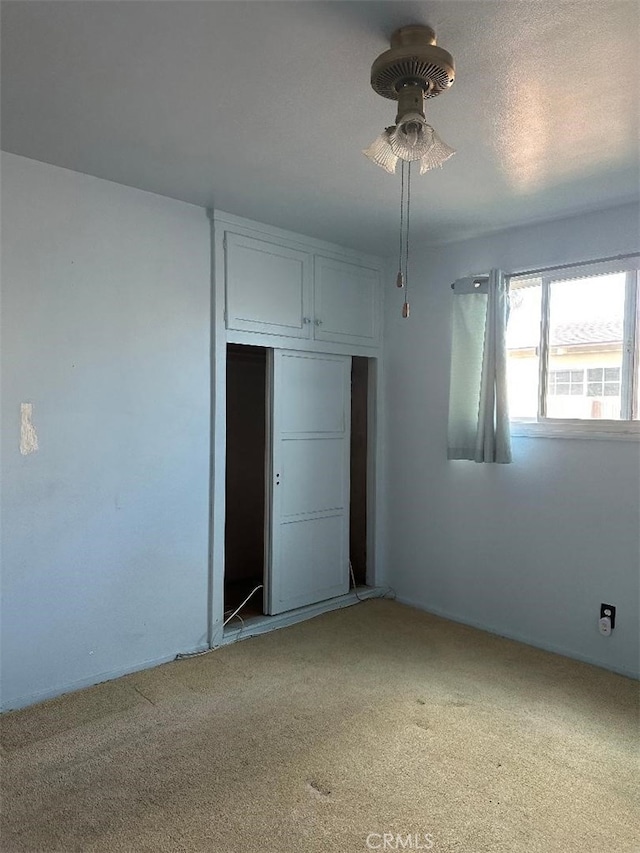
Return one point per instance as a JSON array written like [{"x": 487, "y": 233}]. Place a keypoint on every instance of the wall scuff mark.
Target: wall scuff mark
[{"x": 28, "y": 436}]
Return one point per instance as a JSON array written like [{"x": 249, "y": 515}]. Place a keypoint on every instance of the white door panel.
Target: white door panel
[
  {"x": 312, "y": 556},
  {"x": 308, "y": 558},
  {"x": 314, "y": 400},
  {"x": 308, "y": 480}
]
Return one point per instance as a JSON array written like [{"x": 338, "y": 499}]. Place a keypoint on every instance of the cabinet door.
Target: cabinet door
[
  {"x": 346, "y": 302},
  {"x": 268, "y": 287}
]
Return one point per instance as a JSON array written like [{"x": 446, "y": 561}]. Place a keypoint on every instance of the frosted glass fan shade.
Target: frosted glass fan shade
[
  {"x": 381, "y": 153},
  {"x": 391, "y": 146},
  {"x": 412, "y": 138},
  {"x": 438, "y": 154}
]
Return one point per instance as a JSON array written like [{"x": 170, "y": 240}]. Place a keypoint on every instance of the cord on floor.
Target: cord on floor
[
  {"x": 237, "y": 610},
  {"x": 235, "y": 613},
  {"x": 388, "y": 592}
]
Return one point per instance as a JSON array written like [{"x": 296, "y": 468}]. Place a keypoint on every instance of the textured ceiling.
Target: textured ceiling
[{"x": 262, "y": 108}]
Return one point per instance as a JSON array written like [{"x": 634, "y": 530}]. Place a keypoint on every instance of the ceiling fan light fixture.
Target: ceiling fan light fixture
[
  {"x": 393, "y": 145},
  {"x": 411, "y": 71}
]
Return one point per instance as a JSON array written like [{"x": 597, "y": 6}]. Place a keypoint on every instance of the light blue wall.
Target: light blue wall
[
  {"x": 530, "y": 549},
  {"x": 105, "y": 330}
]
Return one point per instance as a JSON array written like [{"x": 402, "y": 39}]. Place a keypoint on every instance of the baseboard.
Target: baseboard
[
  {"x": 263, "y": 624},
  {"x": 252, "y": 628},
  {"x": 510, "y": 635},
  {"x": 89, "y": 681}
]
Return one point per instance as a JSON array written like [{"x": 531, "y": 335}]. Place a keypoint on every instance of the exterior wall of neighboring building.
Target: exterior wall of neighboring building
[{"x": 523, "y": 382}]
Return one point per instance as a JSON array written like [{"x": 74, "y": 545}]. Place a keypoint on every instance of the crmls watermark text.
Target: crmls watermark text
[{"x": 400, "y": 841}]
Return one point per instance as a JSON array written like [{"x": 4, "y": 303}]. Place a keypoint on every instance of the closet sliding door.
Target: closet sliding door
[{"x": 308, "y": 522}]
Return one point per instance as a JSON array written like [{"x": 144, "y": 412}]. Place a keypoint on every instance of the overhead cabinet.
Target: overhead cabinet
[
  {"x": 268, "y": 287},
  {"x": 277, "y": 289},
  {"x": 345, "y": 300}
]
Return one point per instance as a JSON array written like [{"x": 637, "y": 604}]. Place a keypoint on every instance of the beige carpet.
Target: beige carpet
[{"x": 371, "y": 720}]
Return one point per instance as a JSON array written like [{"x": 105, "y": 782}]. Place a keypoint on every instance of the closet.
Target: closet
[
  {"x": 297, "y": 338},
  {"x": 296, "y": 478}
]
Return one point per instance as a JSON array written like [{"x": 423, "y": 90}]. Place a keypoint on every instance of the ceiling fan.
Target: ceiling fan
[{"x": 413, "y": 70}]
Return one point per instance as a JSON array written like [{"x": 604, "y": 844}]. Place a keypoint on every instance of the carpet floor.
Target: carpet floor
[{"x": 322, "y": 737}]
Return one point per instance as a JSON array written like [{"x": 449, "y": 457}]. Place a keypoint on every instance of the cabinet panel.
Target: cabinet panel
[
  {"x": 345, "y": 302},
  {"x": 268, "y": 287}
]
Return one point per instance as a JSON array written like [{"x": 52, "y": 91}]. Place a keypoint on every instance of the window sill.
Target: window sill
[{"x": 600, "y": 430}]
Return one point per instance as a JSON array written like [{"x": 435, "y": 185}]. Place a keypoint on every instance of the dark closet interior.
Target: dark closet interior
[
  {"x": 359, "y": 436},
  {"x": 245, "y": 479}
]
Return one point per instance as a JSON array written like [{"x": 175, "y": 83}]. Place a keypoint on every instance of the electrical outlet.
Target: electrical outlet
[{"x": 610, "y": 611}]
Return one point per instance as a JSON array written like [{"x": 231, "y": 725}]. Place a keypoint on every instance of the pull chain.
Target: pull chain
[
  {"x": 400, "y": 277},
  {"x": 405, "y": 308}
]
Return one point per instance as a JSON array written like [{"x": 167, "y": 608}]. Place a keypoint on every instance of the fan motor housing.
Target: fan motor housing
[{"x": 413, "y": 58}]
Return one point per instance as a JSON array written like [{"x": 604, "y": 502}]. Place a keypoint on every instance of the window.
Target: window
[
  {"x": 566, "y": 382},
  {"x": 572, "y": 348},
  {"x": 603, "y": 382}
]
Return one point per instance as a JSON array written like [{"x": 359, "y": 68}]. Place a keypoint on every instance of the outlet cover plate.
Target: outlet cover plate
[{"x": 610, "y": 611}]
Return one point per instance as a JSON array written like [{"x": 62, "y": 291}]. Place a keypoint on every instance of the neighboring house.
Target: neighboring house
[{"x": 584, "y": 375}]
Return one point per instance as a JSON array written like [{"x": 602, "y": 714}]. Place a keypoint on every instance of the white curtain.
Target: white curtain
[{"x": 478, "y": 410}]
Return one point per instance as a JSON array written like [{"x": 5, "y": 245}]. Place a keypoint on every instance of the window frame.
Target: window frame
[{"x": 628, "y": 426}]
